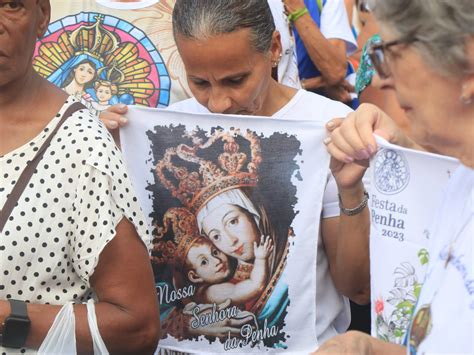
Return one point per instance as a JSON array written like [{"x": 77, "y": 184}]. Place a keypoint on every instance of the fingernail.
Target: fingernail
[
  {"x": 348, "y": 159},
  {"x": 330, "y": 124},
  {"x": 113, "y": 124},
  {"x": 371, "y": 149},
  {"x": 123, "y": 120},
  {"x": 364, "y": 154},
  {"x": 122, "y": 106},
  {"x": 327, "y": 140}
]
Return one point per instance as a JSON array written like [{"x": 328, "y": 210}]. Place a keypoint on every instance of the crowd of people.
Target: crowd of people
[{"x": 72, "y": 230}]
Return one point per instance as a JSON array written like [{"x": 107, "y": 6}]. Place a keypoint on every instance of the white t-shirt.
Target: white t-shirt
[
  {"x": 67, "y": 213},
  {"x": 335, "y": 24},
  {"x": 333, "y": 314},
  {"x": 448, "y": 288}
]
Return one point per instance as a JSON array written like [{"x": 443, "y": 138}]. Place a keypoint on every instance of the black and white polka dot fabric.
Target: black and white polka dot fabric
[{"x": 67, "y": 213}]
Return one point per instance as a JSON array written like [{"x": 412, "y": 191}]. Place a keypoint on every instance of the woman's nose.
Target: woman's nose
[
  {"x": 218, "y": 101},
  {"x": 233, "y": 239}
]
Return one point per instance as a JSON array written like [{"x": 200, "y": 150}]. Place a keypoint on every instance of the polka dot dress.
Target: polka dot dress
[{"x": 67, "y": 213}]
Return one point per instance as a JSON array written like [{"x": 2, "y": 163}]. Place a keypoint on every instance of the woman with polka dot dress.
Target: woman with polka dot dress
[{"x": 75, "y": 231}]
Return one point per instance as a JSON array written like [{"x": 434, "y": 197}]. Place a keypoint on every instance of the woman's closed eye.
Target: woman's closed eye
[
  {"x": 199, "y": 82},
  {"x": 236, "y": 81}
]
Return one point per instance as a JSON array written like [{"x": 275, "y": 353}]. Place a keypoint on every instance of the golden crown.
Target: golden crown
[
  {"x": 94, "y": 40},
  {"x": 185, "y": 232},
  {"x": 194, "y": 188}
]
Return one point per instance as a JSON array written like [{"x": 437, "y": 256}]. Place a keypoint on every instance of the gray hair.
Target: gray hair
[
  {"x": 441, "y": 28},
  {"x": 200, "y": 19}
]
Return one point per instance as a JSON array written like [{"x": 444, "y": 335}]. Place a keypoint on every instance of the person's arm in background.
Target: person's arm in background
[
  {"x": 350, "y": 5},
  {"x": 328, "y": 55}
]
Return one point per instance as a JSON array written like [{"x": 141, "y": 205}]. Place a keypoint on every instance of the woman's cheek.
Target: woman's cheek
[{"x": 221, "y": 245}]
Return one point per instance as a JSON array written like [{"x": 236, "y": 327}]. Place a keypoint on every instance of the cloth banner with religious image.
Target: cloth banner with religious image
[
  {"x": 234, "y": 203},
  {"x": 406, "y": 186}
]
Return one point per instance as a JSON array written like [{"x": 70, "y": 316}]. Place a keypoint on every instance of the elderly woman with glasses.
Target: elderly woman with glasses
[{"x": 427, "y": 57}]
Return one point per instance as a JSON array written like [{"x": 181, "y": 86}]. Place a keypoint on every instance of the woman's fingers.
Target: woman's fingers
[
  {"x": 353, "y": 138},
  {"x": 351, "y": 135},
  {"x": 369, "y": 118},
  {"x": 113, "y": 117},
  {"x": 334, "y": 123},
  {"x": 343, "y": 138}
]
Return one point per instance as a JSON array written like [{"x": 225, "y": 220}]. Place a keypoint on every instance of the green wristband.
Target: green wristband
[{"x": 295, "y": 15}]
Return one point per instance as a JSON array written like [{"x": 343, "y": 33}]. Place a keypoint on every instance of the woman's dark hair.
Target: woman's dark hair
[{"x": 200, "y": 19}]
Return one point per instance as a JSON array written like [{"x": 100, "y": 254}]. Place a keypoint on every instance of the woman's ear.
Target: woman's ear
[
  {"x": 467, "y": 85},
  {"x": 194, "y": 278},
  {"x": 44, "y": 15},
  {"x": 276, "y": 48}
]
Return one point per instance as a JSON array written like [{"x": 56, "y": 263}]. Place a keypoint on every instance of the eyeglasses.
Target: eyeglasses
[
  {"x": 363, "y": 6},
  {"x": 376, "y": 52}
]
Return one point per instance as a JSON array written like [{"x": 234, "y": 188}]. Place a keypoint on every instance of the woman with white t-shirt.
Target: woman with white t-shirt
[
  {"x": 427, "y": 57},
  {"x": 229, "y": 49}
]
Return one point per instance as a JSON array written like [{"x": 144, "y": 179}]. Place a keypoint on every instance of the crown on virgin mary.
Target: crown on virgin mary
[
  {"x": 94, "y": 39},
  {"x": 195, "y": 180}
]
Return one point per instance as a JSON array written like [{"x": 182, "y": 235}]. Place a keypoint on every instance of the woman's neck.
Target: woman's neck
[
  {"x": 27, "y": 106},
  {"x": 459, "y": 142},
  {"x": 17, "y": 98},
  {"x": 277, "y": 97}
]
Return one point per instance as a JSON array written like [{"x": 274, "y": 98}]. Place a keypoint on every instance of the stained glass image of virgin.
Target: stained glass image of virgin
[{"x": 93, "y": 57}]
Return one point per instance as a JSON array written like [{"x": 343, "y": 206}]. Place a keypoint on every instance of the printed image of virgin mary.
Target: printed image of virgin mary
[
  {"x": 234, "y": 224},
  {"x": 235, "y": 236},
  {"x": 77, "y": 75}
]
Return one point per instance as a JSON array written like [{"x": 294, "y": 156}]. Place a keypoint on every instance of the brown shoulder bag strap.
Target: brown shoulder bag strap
[{"x": 31, "y": 167}]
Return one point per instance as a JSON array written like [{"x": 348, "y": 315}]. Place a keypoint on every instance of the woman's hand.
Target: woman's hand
[
  {"x": 340, "y": 92},
  {"x": 113, "y": 117},
  {"x": 351, "y": 142}
]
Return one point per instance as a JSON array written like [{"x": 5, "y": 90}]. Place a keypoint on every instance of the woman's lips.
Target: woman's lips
[{"x": 239, "y": 250}]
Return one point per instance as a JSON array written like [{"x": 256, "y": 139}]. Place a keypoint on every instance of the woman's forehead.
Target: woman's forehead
[
  {"x": 224, "y": 209},
  {"x": 224, "y": 52}
]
